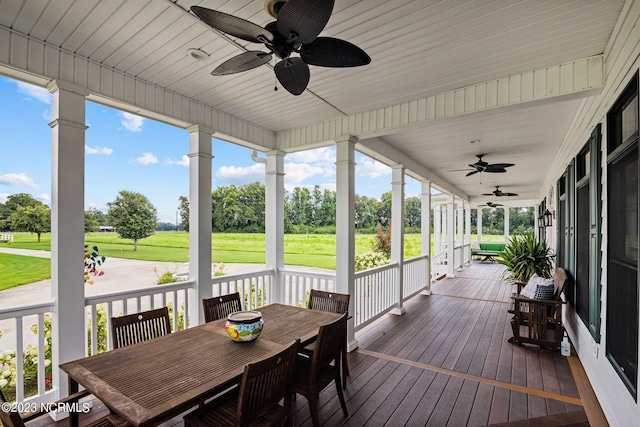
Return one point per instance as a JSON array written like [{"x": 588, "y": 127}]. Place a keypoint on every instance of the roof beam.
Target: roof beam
[{"x": 579, "y": 78}]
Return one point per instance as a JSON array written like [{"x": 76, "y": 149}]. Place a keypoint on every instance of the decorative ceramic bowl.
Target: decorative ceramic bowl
[{"x": 244, "y": 325}]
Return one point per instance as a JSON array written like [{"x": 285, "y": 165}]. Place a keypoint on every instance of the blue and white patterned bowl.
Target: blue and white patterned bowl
[{"x": 244, "y": 326}]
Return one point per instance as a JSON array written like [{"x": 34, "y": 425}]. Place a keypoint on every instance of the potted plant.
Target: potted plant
[{"x": 525, "y": 255}]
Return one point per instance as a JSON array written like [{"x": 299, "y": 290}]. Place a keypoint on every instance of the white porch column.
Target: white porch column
[
  {"x": 506, "y": 224},
  {"x": 397, "y": 232},
  {"x": 199, "y": 220},
  {"x": 425, "y": 231},
  {"x": 345, "y": 227},
  {"x": 274, "y": 219},
  {"x": 437, "y": 228},
  {"x": 479, "y": 224},
  {"x": 467, "y": 229},
  {"x": 467, "y": 222},
  {"x": 67, "y": 226},
  {"x": 451, "y": 236},
  {"x": 460, "y": 220}
]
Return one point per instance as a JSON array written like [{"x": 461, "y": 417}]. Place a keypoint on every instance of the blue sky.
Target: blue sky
[{"x": 128, "y": 152}]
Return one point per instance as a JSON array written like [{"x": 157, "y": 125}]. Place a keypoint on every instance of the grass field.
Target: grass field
[
  {"x": 311, "y": 250},
  {"x": 16, "y": 270}
]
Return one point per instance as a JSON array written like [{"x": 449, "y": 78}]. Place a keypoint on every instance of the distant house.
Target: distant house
[{"x": 107, "y": 229}]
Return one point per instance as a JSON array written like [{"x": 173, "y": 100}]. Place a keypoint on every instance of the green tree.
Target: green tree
[
  {"x": 412, "y": 212},
  {"x": 328, "y": 208},
  {"x": 133, "y": 216},
  {"x": 91, "y": 223},
  {"x": 99, "y": 216},
  {"x": 32, "y": 219},
  {"x": 183, "y": 210},
  {"x": 13, "y": 202}
]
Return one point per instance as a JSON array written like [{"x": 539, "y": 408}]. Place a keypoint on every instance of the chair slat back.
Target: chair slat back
[
  {"x": 138, "y": 327},
  {"x": 9, "y": 418},
  {"x": 220, "y": 307},
  {"x": 265, "y": 383},
  {"x": 329, "y": 345},
  {"x": 328, "y": 301}
]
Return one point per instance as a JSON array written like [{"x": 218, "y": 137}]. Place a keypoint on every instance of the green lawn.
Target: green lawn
[
  {"x": 16, "y": 270},
  {"x": 312, "y": 250}
]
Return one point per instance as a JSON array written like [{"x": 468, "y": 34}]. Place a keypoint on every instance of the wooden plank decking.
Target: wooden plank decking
[{"x": 446, "y": 362}]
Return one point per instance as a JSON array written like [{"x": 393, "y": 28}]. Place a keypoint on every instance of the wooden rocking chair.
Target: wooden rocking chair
[{"x": 538, "y": 321}]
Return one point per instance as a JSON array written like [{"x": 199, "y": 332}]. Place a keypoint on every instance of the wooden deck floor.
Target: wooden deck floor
[{"x": 446, "y": 362}]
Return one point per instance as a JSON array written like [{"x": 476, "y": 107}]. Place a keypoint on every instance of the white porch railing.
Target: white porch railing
[
  {"x": 438, "y": 265},
  {"x": 101, "y": 308},
  {"x": 415, "y": 275},
  {"x": 254, "y": 287},
  {"x": 466, "y": 253},
  {"x": 375, "y": 293},
  {"x": 297, "y": 284},
  {"x": 28, "y": 356},
  {"x": 457, "y": 257}
]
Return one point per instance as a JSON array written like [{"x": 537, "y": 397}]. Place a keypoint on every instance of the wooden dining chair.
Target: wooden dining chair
[
  {"x": 138, "y": 327},
  {"x": 12, "y": 418},
  {"x": 256, "y": 402},
  {"x": 220, "y": 307},
  {"x": 312, "y": 375},
  {"x": 334, "y": 303}
]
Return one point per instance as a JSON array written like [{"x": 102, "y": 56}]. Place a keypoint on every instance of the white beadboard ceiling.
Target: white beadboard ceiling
[{"x": 419, "y": 48}]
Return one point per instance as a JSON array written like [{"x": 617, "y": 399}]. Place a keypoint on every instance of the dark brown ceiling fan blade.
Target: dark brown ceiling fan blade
[
  {"x": 243, "y": 62},
  {"x": 304, "y": 19},
  {"x": 293, "y": 74},
  {"x": 232, "y": 25},
  {"x": 472, "y": 173},
  {"x": 508, "y": 194},
  {"x": 492, "y": 170},
  {"x": 500, "y": 165},
  {"x": 332, "y": 52}
]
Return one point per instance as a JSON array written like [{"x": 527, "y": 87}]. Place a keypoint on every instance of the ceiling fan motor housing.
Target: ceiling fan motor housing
[{"x": 272, "y": 7}]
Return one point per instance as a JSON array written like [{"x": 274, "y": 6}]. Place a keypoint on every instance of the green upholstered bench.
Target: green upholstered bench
[{"x": 486, "y": 248}]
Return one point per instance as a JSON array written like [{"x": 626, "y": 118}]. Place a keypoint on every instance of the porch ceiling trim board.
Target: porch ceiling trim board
[
  {"x": 579, "y": 78},
  {"x": 620, "y": 65},
  {"x": 36, "y": 62},
  {"x": 381, "y": 150}
]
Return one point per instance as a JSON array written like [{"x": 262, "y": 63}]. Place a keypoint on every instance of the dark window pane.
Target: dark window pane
[
  {"x": 582, "y": 253},
  {"x": 622, "y": 289},
  {"x": 629, "y": 118}
]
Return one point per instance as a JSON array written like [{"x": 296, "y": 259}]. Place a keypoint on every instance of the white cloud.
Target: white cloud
[
  {"x": 325, "y": 156},
  {"x": 4, "y": 197},
  {"x": 147, "y": 159},
  {"x": 239, "y": 175},
  {"x": 131, "y": 121},
  {"x": 298, "y": 172},
  {"x": 98, "y": 150},
  {"x": 184, "y": 161},
  {"x": 44, "y": 198},
  {"x": 372, "y": 169},
  {"x": 39, "y": 93},
  {"x": 18, "y": 180}
]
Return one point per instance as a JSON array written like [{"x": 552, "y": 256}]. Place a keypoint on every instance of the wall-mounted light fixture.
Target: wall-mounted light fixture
[{"x": 547, "y": 218}]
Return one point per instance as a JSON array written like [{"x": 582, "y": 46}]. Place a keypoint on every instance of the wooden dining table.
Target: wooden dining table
[{"x": 153, "y": 381}]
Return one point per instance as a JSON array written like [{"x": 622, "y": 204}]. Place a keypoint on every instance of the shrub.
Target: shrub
[
  {"x": 368, "y": 260},
  {"x": 382, "y": 242}
]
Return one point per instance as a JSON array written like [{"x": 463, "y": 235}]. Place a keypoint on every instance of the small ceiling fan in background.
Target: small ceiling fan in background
[
  {"x": 499, "y": 193},
  {"x": 491, "y": 205},
  {"x": 296, "y": 30},
  {"x": 482, "y": 166}
]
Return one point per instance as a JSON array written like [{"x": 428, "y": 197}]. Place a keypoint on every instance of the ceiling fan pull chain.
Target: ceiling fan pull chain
[{"x": 275, "y": 83}]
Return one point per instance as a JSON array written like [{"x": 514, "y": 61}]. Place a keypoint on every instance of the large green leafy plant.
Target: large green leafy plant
[{"x": 525, "y": 255}]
